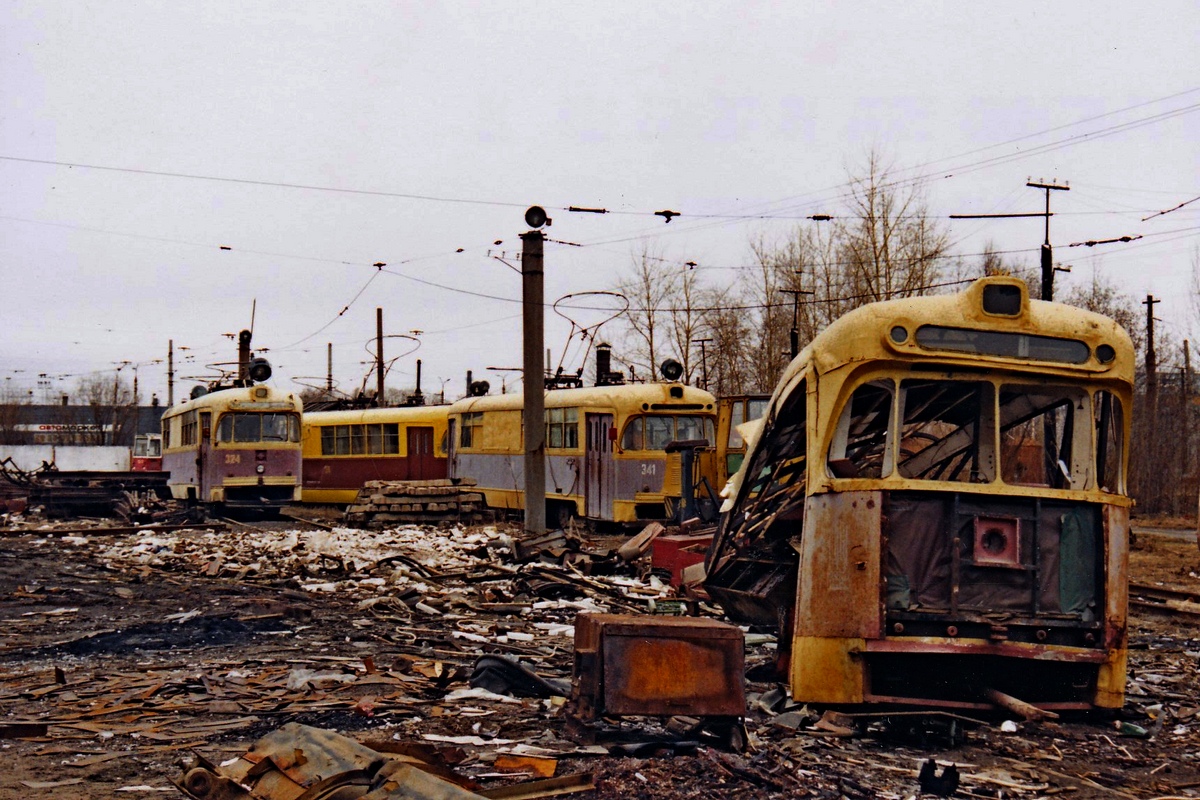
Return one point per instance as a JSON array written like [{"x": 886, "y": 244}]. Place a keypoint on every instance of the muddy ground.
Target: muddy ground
[{"x": 134, "y": 649}]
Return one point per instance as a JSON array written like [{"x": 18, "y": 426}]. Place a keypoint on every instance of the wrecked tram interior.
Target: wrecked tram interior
[{"x": 935, "y": 506}]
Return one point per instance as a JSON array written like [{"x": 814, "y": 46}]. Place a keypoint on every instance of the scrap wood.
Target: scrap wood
[
  {"x": 550, "y": 787},
  {"x": 533, "y": 765},
  {"x": 637, "y": 546},
  {"x": 1027, "y": 711}
]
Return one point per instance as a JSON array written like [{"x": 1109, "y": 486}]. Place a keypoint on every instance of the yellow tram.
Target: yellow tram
[
  {"x": 345, "y": 449},
  {"x": 934, "y": 510},
  {"x": 606, "y": 449}
]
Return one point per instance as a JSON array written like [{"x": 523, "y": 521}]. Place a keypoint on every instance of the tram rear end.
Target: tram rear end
[{"x": 936, "y": 513}]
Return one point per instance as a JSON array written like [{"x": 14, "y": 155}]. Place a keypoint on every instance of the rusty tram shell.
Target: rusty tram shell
[
  {"x": 934, "y": 508},
  {"x": 237, "y": 448}
]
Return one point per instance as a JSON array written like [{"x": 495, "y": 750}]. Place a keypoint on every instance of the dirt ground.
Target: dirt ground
[{"x": 128, "y": 651}]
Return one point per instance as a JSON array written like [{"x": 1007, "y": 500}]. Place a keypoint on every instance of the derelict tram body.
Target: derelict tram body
[{"x": 935, "y": 506}]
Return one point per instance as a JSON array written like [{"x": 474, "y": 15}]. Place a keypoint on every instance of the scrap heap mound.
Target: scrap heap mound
[{"x": 384, "y": 503}]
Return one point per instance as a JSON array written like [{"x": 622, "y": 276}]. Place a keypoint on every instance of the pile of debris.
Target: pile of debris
[{"x": 385, "y": 503}]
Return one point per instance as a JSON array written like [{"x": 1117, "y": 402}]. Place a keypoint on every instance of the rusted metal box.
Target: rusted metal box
[{"x": 628, "y": 665}]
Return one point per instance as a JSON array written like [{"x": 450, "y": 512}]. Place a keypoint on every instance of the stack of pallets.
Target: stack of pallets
[{"x": 382, "y": 503}]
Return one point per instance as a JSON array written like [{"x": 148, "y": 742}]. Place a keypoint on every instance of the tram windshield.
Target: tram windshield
[
  {"x": 656, "y": 431},
  {"x": 1057, "y": 437},
  {"x": 245, "y": 427}
]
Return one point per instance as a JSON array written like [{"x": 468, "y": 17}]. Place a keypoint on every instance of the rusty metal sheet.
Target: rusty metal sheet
[
  {"x": 638, "y": 666},
  {"x": 840, "y": 595}
]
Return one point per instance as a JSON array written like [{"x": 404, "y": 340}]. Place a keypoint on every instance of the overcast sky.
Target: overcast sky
[{"x": 322, "y": 138}]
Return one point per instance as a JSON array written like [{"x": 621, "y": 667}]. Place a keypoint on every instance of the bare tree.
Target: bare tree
[
  {"x": 650, "y": 287},
  {"x": 890, "y": 247},
  {"x": 114, "y": 408},
  {"x": 685, "y": 315},
  {"x": 730, "y": 327}
]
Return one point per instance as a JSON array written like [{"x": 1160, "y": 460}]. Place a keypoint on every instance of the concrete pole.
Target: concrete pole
[
  {"x": 534, "y": 416},
  {"x": 379, "y": 358}
]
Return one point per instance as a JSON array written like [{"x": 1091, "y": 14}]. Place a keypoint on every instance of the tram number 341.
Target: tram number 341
[{"x": 649, "y": 469}]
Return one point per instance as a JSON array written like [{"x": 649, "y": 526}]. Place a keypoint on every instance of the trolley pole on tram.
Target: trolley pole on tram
[{"x": 534, "y": 414}]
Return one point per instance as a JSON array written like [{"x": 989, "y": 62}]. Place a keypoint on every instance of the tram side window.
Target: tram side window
[
  {"x": 391, "y": 438},
  {"x": 166, "y": 433},
  {"x": 859, "y": 447},
  {"x": 358, "y": 440},
  {"x": 737, "y": 416},
  {"x": 946, "y": 431},
  {"x": 1110, "y": 428},
  {"x": 472, "y": 425},
  {"x": 779, "y": 470},
  {"x": 341, "y": 441},
  {"x": 189, "y": 429},
  {"x": 1037, "y": 435},
  {"x": 562, "y": 427},
  {"x": 634, "y": 434}
]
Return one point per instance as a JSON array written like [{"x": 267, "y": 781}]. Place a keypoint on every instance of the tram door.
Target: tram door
[
  {"x": 600, "y": 474},
  {"x": 421, "y": 463},
  {"x": 207, "y": 473}
]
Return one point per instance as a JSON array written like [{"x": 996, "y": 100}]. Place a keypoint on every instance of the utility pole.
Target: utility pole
[
  {"x": 534, "y": 415},
  {"x": 1047, "y": 251},
  {"x": 379, "y": 399},
  {"x": 794, "y": 335},
  {"x": 703, "y": 360},
  {"x": 1151, "y": 360},
  {"x": 329, "y": 367},
  {"x": 170, "y": 372}
]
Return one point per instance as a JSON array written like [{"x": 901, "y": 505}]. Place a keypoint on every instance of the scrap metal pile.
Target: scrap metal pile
[{"x": 130, "y": 660}]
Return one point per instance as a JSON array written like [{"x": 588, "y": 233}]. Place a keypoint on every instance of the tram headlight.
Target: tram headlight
[
  {"x": 260, "y": 469},
  {"x": 1105, "y": 353},
  {"x": 899, "y": 334}
]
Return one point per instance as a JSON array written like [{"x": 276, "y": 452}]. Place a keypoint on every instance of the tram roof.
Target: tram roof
[
  {"x": 250, "y": 398},
  {"x": 630, "y": 395},
  {"x": 865, "y": 333},
  {"x": 378, "y": 415}
]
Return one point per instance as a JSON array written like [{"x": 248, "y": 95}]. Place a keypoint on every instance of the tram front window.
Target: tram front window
[
  {"x": 254, "y": 427},
  {"x": 1038, "y": 444},
  {"x": 946, "y": 431},
  {"x": 655, "y": 432}
]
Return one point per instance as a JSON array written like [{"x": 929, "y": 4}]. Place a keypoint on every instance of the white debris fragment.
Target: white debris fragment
[
  {"x": 477, "y": 693},
  {"x": 477, "y": 741},
  {"x": 301, "y": 679}
]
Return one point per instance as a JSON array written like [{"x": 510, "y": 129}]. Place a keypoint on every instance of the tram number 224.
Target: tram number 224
[{"x": 233, "y": 458}]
